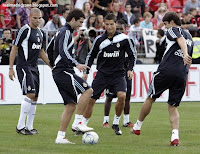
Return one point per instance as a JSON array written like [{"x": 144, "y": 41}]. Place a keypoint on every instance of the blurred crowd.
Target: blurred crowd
[{"x": 137, "y": 14}]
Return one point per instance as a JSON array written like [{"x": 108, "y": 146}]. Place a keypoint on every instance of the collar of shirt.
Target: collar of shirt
[{"x": 70, "y": 28}]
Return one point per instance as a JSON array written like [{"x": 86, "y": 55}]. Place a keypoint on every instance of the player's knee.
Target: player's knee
[{"x": 121, "y": 95}]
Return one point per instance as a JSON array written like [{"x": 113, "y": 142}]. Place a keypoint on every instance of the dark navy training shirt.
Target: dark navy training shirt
[
  {"x": 29, "y": 42},
  {"x": 172, "y": 62},
  {"x": 110, "y": 53}
]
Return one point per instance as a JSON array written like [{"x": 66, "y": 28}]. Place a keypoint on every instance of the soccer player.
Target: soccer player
[
  {"x": 69, "y": 84},
  {"x": 171, "y": 74},
  {"x": 121, "y": 26},
  {"x": 110, "y": 49},
  {"x": 29, "y": 45}
]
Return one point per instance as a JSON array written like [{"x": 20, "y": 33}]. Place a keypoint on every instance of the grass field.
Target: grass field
[{"x": 154, "y": 138}]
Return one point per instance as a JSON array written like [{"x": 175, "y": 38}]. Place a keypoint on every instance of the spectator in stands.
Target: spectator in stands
[
  {"x": 127, "y": 15},
  {"x": 135, "y": 32},
  {"x": 102, "y": 7},
  {"x": 52, "y": 25},
  {"x": 159, "y": 14},
  {"x": 46, "y": 10},
  {"x": 82, "y": 45},
  {"x": 23, "y": 14},
  {"x": 147, "y": 21},
  {"x": 68, "y": 6},
  {"x": 137, "y": 7},
  {"x": 187, "y": 24},
  {"x": 5, "y": 16},
  {"x": 195, "y": 17},
  {"x": 87, "y": 12},
  {"x": 153, "y": 5},
  {"x": 115, "y": 10},
  {"x": 160, "y": 46},
  {"x": 5, "y": 46},
  {"x": 91, "y": 21},
  {"x": 180, "y": 13},
  {"x": 61, "y": 5},
  {"x": 121, "y": 5},
  {"x": 79, "y": 3},
  {"x": 100, "y": 23},
  {"x": 191, "y": 4},
  {"x": 63, "y": 18}
]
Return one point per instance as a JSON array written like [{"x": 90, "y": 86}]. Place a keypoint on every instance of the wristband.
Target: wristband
[
  {"x": 102, "y": 8},
  {"x": 10, "y": 67}
]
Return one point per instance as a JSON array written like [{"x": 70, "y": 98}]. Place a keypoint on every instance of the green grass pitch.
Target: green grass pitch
[{"x": 154, "y": 138}]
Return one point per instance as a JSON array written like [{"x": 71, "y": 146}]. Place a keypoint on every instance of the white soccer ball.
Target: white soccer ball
[{"x": 90, "y": 138}]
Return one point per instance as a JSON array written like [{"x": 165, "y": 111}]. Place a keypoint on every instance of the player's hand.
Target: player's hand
[
  {"x": 130, "y": 75},
  {"x": 82, "y": 67},
  {"x": 187, "y": 60},
  {"x": 85, "y": 76},
  {"x": 11, "y": 74}
]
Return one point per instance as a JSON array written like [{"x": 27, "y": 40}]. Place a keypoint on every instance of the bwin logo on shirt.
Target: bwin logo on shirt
[
  {"x": 114, "y": 54},
  {"x": 36, "y": 46},
  {"x": 179, "y": 53}
]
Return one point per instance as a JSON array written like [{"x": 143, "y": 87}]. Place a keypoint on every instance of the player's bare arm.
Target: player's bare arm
[
  {"x": 130, "y": 74},
  {"x": 12, "y": 59},
  {"x": 44, "y": 57},
  {"x": 182, "y": 43}
]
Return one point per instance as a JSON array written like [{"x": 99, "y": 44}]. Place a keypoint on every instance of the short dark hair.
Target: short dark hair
[
  {"x": 64, "y": 10},
  {"x": 5, "y": 29},
  {"x": 136, "y": 20},
  {"x": 76, "y": 14},
  {"x": 169, "y": 16},
  {"x": 127, "y": 4},
  {"x": 110, "y": 16},
  {"x": 161, "y": 32},
  {"x": 121, "y": 21}
]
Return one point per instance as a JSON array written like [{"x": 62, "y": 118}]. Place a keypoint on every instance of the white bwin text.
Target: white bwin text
[
  {"x": 36, "y": 46},
  {"x": 114, "y": 54}
]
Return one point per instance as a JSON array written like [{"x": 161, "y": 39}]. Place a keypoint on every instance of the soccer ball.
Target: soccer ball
[{"x": 90, "y": 138}]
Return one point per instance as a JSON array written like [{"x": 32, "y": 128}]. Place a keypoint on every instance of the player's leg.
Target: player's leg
[
  {"x": 174, "y": 120},
  {"x": 176, "y": 92},
  {"x": 86, "y": 91},
  {"x": 64, "y": 122},
  {"x": 119, "y": 106},
  {"x": 98, "y": 86},
  {"x": 67, "y": 91},
  {"x": 145, "y": 110},
  {"x": 32, "y": 111},
  {"x": 107, "y": 107},
  {"x": 126, "y": 122},
  {"x": 160, "y": 82},
  {"x": 28, "y": 89}
]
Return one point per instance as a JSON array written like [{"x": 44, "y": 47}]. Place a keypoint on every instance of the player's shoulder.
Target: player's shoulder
[{"x": 120, "y": 37}]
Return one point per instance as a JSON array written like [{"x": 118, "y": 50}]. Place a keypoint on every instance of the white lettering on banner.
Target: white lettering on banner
[
  {"x": 10, "y": 91},
  {"x": 149, "y": 37}
]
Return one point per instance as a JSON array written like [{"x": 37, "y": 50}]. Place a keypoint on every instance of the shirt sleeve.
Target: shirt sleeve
[
  {"x": 131, "y": 51},
  {"x": 65, "y": 45},
  {"x": 92, "y": 54},
  {"x": 21, "y": 35}
]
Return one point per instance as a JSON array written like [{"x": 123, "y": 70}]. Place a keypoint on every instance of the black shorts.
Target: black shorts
[
  {"x": 161, "y": 82},
  {"x": 114, "y": 83},
  {"x": 29, "y": 80},
  {"x": 70, "y": 86},
  {"x": 110, "y": 91}
]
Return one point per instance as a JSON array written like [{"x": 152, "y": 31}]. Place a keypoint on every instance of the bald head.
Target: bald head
[
  {"x": 35, "y": 11},
  {"x": 35, "y": 17}
]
